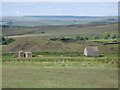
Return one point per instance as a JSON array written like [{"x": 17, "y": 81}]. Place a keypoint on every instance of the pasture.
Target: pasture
[
  {"x": 36, "y": 76},
  {"x": 60, "y": 72}
]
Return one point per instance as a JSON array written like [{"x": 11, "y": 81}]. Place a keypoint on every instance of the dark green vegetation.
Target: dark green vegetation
[
  {"x": 104, "y": 36},
  {"x": 5, "y": 40}
]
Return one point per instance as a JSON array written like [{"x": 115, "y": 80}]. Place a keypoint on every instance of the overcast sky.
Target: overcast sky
[{"x": 60, "y": 8}]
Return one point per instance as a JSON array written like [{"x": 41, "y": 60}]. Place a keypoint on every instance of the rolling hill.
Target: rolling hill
[
  {"x": 45, "y": 44},
  {"x": 61, "y": 30},
  {"x": 26, "y": 27}
]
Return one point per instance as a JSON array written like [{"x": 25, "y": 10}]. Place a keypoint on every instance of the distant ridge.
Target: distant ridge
[
  {"x": 62, "y": 16},
  {"x": 42, "y": 20}
]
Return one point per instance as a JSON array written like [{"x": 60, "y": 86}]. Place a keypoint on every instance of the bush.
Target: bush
[
  {"x": 113, "y": 36},
  {"x": 42, "y": 32},
  {"x": 78, "y": 38},
  {"x": 96, "y": 37},
  {"x": 6, "y": 41},
  {"x": 106, "y": 35}
]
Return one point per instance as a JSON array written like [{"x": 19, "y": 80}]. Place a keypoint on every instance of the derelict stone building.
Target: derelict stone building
[
  {"x": 22, "y": 54},
  {"x": 91, "y": 51}
]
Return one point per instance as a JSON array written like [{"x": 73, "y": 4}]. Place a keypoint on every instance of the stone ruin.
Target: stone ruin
[{"x": 22, "y": 54}]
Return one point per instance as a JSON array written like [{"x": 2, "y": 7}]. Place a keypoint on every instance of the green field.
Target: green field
[
  {"x": 36, "y": 76},
  {"x": 60, "y": 72}
]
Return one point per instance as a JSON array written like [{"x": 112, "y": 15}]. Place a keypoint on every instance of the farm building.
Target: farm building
[
  {"x": 91, "y": 51},
  {"x": 21, "y": 54}
]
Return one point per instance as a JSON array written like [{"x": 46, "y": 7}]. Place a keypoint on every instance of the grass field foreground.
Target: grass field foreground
[
  {"x": 35, "y": 76},
  {"x": 60, "y": 72}
]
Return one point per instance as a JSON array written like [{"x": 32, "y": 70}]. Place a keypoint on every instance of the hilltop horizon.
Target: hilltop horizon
[{"x": 66, "y": 15}]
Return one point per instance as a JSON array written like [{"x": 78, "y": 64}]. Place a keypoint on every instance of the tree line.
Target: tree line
[{"x": 105, "y": 35}]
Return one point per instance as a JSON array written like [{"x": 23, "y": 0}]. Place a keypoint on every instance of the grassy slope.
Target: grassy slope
[
  {"x": 44, "y": 44},
  {"x": 62, "y": 30}
]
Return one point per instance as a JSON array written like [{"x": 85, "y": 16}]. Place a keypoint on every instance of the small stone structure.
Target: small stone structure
[
  {"x": 28, "y": 54},
  {"x": 22, "y": 54},
  {"x": 91, "y": 51}
]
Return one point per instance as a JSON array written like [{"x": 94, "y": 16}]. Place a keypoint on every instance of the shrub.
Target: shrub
[
  {"x": 106, "y": 35},
  {"x": 6, "y": 41},
  {"x": 113, "y": 36}
]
